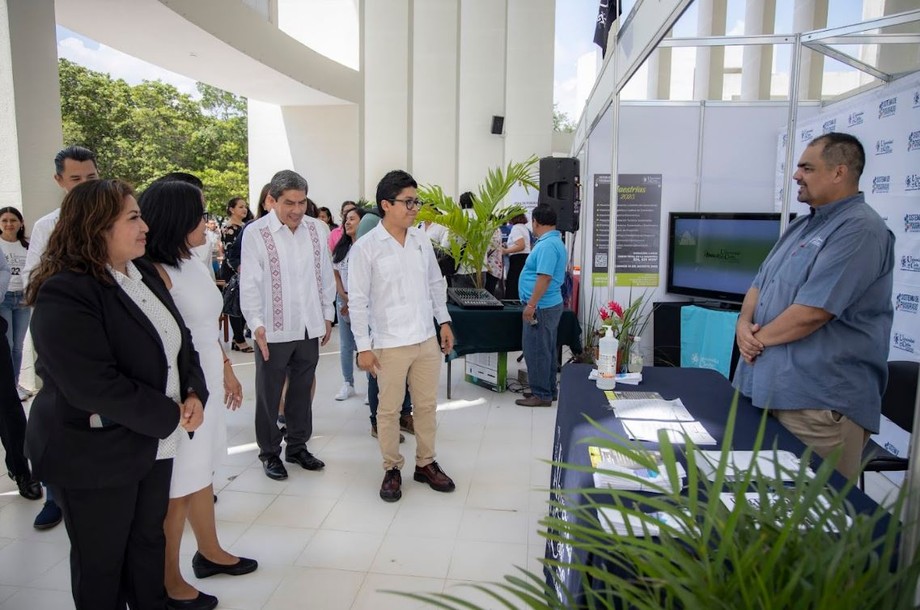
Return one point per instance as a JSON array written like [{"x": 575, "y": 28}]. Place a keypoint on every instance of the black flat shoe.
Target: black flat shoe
[
  {"x": 204, "y": 567},
  {"x": 306, "y": 460},
  {"x": 202, "y": 602},
  {"x": 29, "y": 488}
]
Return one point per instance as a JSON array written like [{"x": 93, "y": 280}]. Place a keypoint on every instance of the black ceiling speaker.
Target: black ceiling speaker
[{"x": 498, "y": 125}]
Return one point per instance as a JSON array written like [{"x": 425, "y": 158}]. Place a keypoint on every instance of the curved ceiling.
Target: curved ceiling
[{"x": 222, "y": 43}]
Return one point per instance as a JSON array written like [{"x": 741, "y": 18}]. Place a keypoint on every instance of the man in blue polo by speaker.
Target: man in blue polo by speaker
[{"x": 540, "y": 288}]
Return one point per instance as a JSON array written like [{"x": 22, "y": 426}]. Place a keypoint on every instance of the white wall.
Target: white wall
[{"x": 318, "y": 142}]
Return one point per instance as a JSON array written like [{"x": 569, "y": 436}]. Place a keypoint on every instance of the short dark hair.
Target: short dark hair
[
  {"x": 347, "y": 203},
  {"x": 181, "y": 177},
  {"x": 544, "y": 214},
  {"x": 520, "y": 219},
  {"x": 286, "y": 180},
  {"x": 232, "y": 203},
  {"x": 77, "y": 153},
  {"x": 312, "y": 209},
  {"x": 171, "y": 209},
  {"x": 391, "y": 185},
  {"x": 842, "y": 149},
  {"x": 466, "y": 201}
]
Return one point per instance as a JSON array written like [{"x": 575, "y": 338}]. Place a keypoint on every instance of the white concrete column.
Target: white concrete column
[
  {"x": 757, "y": 61},
  {"x": 480, "y": 89},
  {"x": 810, "y": 15},
  {"x": 528, "y": 93},
  {"x": 30, "y": 121},
  {"x": 387, "y": 89},
  {"x": 710, "y": 61},
  {"x": 659, "y": 74},
  {"x": 434, "y": 93}
]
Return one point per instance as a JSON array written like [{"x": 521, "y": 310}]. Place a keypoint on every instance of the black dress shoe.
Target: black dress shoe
[
  {"x": 274, "y": 469},
  {"x": 29, "y": 488},
  {"x": 202, "y": 602},
  {"x": 307, "y": 460},
  {"x": 204, "y": 567}
]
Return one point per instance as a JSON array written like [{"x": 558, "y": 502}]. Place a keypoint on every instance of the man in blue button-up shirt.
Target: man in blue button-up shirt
[{"x": 814, "y": 327}]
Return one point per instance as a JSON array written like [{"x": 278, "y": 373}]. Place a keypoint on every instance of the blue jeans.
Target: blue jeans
[
  {"x": 539, "y": 342},
  {"x": 373, "y": 399},
  {"x": 347, "y": 345},
  {"x": 17, "y": 317}
]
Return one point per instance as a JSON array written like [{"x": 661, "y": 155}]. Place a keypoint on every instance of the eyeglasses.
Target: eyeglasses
[{"x": 410, "y": 203}]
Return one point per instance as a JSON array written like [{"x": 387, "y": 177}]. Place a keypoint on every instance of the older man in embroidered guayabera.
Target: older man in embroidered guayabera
[{"x": 287, "y": 294}]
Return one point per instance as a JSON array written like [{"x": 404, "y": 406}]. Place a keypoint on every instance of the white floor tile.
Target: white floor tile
[
  {"x": 375, "y": 593},
  {"x": 315, "y": 588},
  {"x": 296, "y": 511},
  {"x": 24, "y": 561},
  {"x": 414, "y": 556},
  {"x": 340, "y": 550},
  {"x": 38, "y": 599},
  {"x": 485, "y": 561},
  {"x": 271, "y": 545}
]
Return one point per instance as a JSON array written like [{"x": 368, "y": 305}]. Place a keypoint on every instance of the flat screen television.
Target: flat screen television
[{"x": 716, "y": 255}]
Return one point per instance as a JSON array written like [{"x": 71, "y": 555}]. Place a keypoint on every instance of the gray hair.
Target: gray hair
[{"x": 286, "y": 180}]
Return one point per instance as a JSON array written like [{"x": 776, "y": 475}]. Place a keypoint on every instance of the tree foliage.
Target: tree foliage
[
  {"x": 561, "y": 121},
  {"x": 140, "y": 132}
]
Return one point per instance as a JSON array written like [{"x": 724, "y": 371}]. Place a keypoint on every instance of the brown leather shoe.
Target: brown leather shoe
[
  {"x": 390, "y": 488},
  {"x": 407, "y": 424},
  {"x": 533, "y": 401},
  {"x": 435, "y": 477}
]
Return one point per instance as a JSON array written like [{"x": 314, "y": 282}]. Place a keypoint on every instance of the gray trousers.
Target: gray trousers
[{"x": 296, "y": 361}]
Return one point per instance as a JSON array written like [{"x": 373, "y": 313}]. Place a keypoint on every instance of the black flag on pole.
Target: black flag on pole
[{"x": 607, "y": 13}]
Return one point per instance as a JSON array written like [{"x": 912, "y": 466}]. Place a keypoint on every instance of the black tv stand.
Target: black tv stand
[{"x": 666, "y": 334}]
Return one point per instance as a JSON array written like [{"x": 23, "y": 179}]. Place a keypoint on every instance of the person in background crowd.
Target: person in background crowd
[
  {"x": 815, "y": 326},
  {"x": 238, "y": 215},
  {"x": 495, "y": 268},
  {"x": 395, "y": 289},
  {"x": 13, "y": 418},
  {"x": 72, "y": 166},
  {"x": 541, "y": 290},
  {"x": 340, "y": 267},
  {"x": 517, "y": 248},
  {"x": 173, "y": 213},
  {"x": 336, "y": 234},
  {"x": 287, "y": 293},
  {"x": 15, "y": 312},
  {"x": 215, "y": 246},
  {"x": 312, "y": 209},
  {"x": 121, "y": 382},
  {"x": 325, "y": 214}
]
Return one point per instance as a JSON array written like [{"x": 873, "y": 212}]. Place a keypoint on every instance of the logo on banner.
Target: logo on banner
[
  {"x": 881, "y": 184},
  {"x": 785, "y": 139},
  {"x": 829, "y": 126},
  {"x": 855, "y": 118},
  {"x": 910, "y": 263},
  {"x": 903, "y": 341},
  {"x": 908, "y": 303},
  {"x": 884, "y": 147},
  {"x": 807, "y": 135},
  {"x": 917, "y": 98},
  {"x": 913, "y": 141},
  {"x": 888, "y": 107},
  {"x": 912, "y": 223},
  {"x": 912, "y": 182}
]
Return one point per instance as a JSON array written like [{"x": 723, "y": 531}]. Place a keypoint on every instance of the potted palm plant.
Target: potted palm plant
[
  {"x": 766, "y": 543},
  {"x": 471, "y": 234}
]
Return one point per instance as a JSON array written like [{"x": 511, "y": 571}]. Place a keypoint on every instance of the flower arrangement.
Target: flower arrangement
[{"x": 625, "y": 324}]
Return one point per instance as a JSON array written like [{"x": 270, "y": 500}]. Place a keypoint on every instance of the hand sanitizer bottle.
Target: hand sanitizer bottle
[{"x": 607, "y": 361}]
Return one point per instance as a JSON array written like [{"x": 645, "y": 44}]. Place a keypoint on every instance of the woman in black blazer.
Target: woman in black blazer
[{"x": 117, "y": 388}]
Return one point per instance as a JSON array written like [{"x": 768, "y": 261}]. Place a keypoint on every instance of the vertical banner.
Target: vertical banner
[
  {"x": 600, "y": 232},
  {"x": 638, "y": 230}
]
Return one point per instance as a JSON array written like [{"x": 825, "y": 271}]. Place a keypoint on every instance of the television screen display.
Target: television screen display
[{"x": 716, "y": 256}]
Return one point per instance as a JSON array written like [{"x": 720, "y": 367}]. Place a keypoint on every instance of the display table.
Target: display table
[
  {"x": 478, "y": 331},
  {"x": 706, "y": 394}
]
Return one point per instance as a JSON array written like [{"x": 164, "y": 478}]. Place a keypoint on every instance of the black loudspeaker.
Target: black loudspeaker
[
  {"x": 561, "y": 189},
  {"x": 498, "y": 125}
]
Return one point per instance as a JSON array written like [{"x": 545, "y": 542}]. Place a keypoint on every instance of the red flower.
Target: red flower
[
  {"x": 616, "y": 308},
  {"x": 604, "y": 314}
]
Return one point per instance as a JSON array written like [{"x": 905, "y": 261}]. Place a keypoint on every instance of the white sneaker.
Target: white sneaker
[{"x": 346, "y": 391}]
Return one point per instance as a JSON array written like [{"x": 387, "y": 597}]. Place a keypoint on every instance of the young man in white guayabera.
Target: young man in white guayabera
[
  {"x": 72, "y": 166},
  {"x": 395, "y": 294},
  {"x": 287, "y": 294}
]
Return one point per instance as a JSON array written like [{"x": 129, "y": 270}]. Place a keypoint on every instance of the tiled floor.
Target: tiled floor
[{"x": 325, "y": 540}]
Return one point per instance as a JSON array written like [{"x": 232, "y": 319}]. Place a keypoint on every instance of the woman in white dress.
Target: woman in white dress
[{"x": 173, "y": 212}]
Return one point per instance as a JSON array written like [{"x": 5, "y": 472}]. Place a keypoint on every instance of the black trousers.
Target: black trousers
[
  {"x": 238, "y": 324},
  {"x": 515, "y": 265},
  {"x": 12, "y": 416},
  {"x": 297, "y": 361},
  {"x": 117, "y": 544}
]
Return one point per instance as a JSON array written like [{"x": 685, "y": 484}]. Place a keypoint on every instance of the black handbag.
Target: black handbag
[{"x": 232, "y": 297}]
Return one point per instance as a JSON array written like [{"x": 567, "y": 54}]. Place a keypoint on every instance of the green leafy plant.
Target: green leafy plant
[
  {"x": 797, "y": 545},
  {"x": 471, "y": 234}
]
